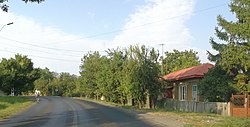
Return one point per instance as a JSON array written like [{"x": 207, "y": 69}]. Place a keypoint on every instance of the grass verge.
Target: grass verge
[
  {"x": 10, "y": 105},
  {"x": 190, "y": 119},
  {"x": 212, "y": 120}
]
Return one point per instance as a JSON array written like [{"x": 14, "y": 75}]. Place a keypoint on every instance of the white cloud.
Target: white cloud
[
  {"x": 43, "y": 43},
  {"x": 158, "y": 21}
]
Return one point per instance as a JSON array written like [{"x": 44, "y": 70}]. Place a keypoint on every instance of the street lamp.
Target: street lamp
[{"x": 6, "y": 25}]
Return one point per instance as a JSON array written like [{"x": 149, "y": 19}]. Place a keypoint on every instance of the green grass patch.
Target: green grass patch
[
  {"x": 10, "y": 105},
  {"x": 213, "y": 120}
]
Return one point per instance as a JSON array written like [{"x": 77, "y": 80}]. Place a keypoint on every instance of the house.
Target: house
[{"x": 183, "y": 83}]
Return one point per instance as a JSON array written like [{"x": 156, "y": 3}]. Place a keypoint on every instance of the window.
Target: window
[
  {"x": 183, "y": 92},
  {"x": 194, "y": 93}
]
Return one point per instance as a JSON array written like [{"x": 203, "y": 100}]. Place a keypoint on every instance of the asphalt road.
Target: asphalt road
[{"x": 68, "y": 112}]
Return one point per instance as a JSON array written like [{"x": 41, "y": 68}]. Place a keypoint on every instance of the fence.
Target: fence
[
  {"x": 222, "y": 108},
  {"x": 240, "y": 106}
]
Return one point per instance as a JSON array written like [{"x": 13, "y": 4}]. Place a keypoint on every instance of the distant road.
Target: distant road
[{"x": 68, "y": 112}]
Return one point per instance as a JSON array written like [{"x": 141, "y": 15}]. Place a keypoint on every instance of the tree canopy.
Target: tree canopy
[
  {"x": 122, "y": 74},
  {"x": 234, "y": 53},
  {"x": 5, "y": 7},
  {"x": 216, "y": 85},
  {"x": 178, "y": 60},
  {"x": 17, "y": 73}
]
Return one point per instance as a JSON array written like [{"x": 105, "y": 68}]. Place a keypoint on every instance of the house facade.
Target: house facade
[{"x": 183, "y": 84}]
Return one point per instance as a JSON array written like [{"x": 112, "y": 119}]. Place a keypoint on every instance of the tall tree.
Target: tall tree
[
  {"x": 178, "y": 60},
  {"x": 91, "y": 65},
  {"x": 144, "y": 80},
  {"x": 117, "y": 62},
  {"x": 234, "y": 54},
  {"x": 18, "y": 73}
]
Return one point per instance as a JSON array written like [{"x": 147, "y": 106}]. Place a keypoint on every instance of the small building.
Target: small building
[{"x": 183, "y": 83}]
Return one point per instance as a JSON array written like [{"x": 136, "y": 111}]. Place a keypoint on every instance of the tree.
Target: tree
[
  {"x": 67, "y": 84},
  {"x": 178, "y": 60},
  {"x": 117, "y": 62},
  {"x": 91, "y": 65},
  {"x": 43, "y": 82},
  {"x": 143, "y": 80},
  {"x": 216, "y": 85},
  {"x": 234, "y": 54},
  {"x": 18, "y": 73},
  {"x": 5, "y": 7}
]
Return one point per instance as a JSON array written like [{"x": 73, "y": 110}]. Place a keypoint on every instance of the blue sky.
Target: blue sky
[{"x": 56, "y": 34}]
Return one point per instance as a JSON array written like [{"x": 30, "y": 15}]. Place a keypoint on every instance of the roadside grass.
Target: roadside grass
[
  {"x": 202, "y": 119},
  {"x": 198, "y": 119},
  {"x": 190, "y": 119},
  {"x": 213, "y": 120},
  {"x": 10, "y": 105}
]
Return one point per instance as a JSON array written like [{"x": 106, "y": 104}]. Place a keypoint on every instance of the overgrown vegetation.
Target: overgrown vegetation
[{"x": 10, "y": 105}]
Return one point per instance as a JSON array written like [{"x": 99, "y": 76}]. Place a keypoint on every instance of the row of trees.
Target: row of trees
[
  {"x": 54, "y": 84},
  {"x": 18, "y": 75},
  {"x": 122, "y": 75},
  {"x": 131, "y": 73}
]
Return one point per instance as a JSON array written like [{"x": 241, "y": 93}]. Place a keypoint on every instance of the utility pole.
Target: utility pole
[{"x": 162, "y": 51}]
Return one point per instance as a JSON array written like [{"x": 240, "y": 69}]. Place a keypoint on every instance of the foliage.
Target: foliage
[
  {"x": 67, "y": 84},
  {"x": 234, "y": 55},
  {"x": 145, "y": 75},
  {"x": 178, "y": 60},
  {"x": 131, "y": 73},
  {"x": 5, "y": 7},
  {"x": 17, "y": 73},
  {"x": 10, "y": 105},
  {"x": 53, "y": 84},
  {"x": 43, "y": 82},
  {"x": 216, "y": 85},
  {"x": 91, "y": 65}
]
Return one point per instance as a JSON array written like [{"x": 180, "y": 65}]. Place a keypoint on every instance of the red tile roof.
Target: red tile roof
[{"x": 191, "y": 72}]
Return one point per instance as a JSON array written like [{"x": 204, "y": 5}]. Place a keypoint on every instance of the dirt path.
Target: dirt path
[{"x": 163, "y": 119}]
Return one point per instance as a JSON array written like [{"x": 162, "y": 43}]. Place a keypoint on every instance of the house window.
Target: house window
[
  {"x": 194, "y": 93},
  {"x": 183, "y": 92}
]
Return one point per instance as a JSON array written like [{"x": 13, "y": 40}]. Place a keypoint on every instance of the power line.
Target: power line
[
  {"x": 150, "y": 23},
  {"x": 50, "y": 58},
  {"x": 40, "y": 46},
  {"x": 42, "y": 51},
  {"x": 44, "y": 47},
  {"x": 106, "y": 33}
]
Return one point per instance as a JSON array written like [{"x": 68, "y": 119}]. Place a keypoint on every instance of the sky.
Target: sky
[{"x": 57, "y": 33}]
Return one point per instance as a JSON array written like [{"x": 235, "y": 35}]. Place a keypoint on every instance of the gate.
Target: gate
[{"x": 240, "y": 106}]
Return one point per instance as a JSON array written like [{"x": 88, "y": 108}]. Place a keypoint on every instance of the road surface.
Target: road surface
[{"x": 68, "y": 112}]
